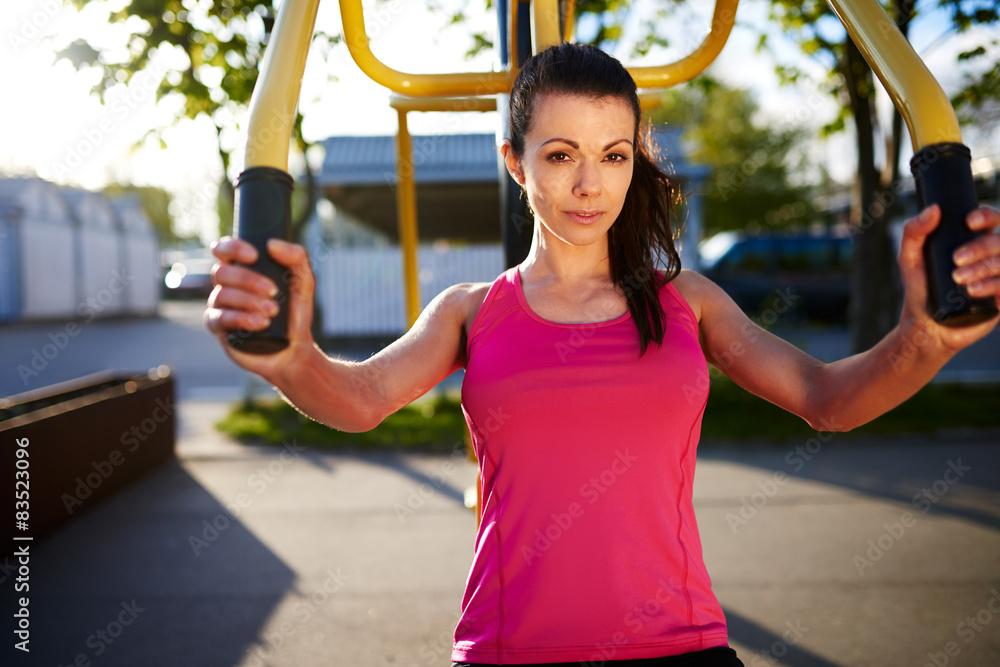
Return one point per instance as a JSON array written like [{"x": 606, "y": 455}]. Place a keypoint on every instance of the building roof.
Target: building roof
[{"x": 455, "y": 158}]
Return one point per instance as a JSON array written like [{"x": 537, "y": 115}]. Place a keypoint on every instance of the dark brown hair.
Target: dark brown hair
[{"x": 641, "y": 237}]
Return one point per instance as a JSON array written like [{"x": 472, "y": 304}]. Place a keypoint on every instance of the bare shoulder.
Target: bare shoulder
[
  {"x": 463, "y": 301},
  {"x": 697, "y": 290}
]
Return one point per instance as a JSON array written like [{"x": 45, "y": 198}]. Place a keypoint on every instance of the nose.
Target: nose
[{"x": 588, "y": 180}]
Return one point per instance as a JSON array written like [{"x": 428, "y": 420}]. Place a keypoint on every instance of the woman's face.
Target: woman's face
[{"x": 577, "y": 165}]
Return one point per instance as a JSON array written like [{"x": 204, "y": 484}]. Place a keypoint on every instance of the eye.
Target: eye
[
  {"x": 558, "y": 156},
  {"x": 617, "y": 158}
]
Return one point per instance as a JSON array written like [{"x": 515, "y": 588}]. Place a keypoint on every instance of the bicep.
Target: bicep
[
  {"x": 430, "y": 351},
  {"x": 753, "y": 357}
]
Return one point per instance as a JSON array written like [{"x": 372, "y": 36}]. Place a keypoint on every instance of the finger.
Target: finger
[
  {"x": 984, "y": 219},
  {"x": 984, "y": 288},
  {"x": 227, "y": 298},
  {"x": 286, "y": 253},
  {"x": 983, "y": 248},
  {"x": 228, "y": 249},
  {"x": 221, "y": 321},
  {"x": 242, "y": 278},
  {"x": 977, "y": 260}
]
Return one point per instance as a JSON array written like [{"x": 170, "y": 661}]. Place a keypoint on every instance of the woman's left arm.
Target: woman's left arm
[{"x": 844, "y": 394}]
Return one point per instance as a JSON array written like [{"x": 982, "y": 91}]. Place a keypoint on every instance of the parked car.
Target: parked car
[
  {"x": 810, "y": 272},
  {"x": 189, "y": 277}
]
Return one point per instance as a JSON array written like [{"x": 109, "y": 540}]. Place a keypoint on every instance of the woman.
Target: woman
[{"x": 586, "y": 381}]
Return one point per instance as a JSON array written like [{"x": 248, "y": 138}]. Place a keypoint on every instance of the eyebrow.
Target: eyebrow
[{"x": 577, "y": 146}]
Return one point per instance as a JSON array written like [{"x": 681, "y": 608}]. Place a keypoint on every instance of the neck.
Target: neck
[{"x": 551, "y": 259}]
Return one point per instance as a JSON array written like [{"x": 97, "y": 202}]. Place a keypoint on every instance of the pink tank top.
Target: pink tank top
[{"x": 588, "y": 548}]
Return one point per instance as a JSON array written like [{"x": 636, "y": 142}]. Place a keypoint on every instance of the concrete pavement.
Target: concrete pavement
[{"x": 821, "y": 553}]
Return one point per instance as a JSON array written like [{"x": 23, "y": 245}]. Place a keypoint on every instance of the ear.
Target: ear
[{"x": 512, "y": 163}]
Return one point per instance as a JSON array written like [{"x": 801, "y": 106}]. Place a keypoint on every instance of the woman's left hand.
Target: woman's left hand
[{"x": 978, "y": 270}]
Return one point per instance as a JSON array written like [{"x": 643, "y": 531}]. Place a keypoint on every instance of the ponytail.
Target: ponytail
[{"x": 641, "y": 241}]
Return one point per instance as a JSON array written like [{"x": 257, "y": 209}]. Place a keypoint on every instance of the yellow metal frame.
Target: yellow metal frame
[
  {"x": 650, "y": 100},
  {"x": 568, "y": 24},
  {"x": 406, "y": 187},
  {"x": 544, "y": 25},
  {"x": 687, "y": 68},
  {"x": 914, "y": 90},
  {"x": 272, "y": 105},
  {"x": 545, "y": 32},
  {"x": 431, "y": 85}
]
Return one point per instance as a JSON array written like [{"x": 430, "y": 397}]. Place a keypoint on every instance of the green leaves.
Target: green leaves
[{"x": 751, "y": 162}]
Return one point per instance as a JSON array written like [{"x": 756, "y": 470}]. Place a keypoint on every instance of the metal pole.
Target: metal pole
[
  {"x": 406, "y": 202},
  {"x": 276, "y": 94},
  {"x": 516, "y": 224}
]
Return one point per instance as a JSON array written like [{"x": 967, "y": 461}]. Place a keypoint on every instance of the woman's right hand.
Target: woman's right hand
[{"x": 244, "y": 300}]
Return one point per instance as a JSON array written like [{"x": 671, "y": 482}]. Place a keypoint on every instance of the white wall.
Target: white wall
[
  {"x": 47, "y": 258},
  {"x": 48, "y": 283},
  {"x": 361, "y": 289}
]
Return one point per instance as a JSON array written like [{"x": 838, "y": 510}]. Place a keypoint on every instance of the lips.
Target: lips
[{"x": 585, "y": 216}]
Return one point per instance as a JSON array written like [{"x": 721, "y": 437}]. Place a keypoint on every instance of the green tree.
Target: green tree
[
  {"x": 812, "y": 24},
  {"x": 156, "y": 203},
  {"x": 750, "y": 182},
  {"x": 222, "y": 43}
]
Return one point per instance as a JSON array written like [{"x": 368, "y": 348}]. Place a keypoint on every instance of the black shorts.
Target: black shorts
[{"x": 719, "y": 656}]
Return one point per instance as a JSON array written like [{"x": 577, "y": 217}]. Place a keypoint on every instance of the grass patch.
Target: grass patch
[
  {"x": 438, "y": 425},
  {"x": 735, "y": 414}
]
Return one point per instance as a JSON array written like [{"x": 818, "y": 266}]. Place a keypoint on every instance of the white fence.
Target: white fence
[
  {"x": 360, "y": 290},
  {"x": 69, "y": 253}
]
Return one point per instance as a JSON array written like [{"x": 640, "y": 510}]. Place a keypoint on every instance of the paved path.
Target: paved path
[{"x": 315, "y": 563}]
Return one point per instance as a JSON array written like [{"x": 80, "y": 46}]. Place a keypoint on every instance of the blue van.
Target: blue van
[{"x": 756, "y": 270}]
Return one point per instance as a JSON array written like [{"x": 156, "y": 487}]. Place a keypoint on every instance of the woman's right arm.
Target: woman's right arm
[{"x": 348, "y": 396}]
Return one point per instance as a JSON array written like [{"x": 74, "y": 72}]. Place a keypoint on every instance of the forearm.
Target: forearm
[
  {"x": 853, "y": 391},
  {"x": 341, "y": 394}
]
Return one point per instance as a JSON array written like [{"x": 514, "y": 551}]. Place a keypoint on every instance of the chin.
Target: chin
[{"x": 582, "y": 238}]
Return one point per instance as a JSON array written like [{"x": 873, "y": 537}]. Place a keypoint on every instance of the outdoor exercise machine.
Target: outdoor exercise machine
[{"x": 941, "y": 164}]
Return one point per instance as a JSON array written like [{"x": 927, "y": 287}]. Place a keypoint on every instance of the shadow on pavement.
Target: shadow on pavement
[
  {"x": 123, "y": 584},
  {"x": 436, "y": 480},
  {"x": 767, "y": 647},
  {"x": 963, "y": 482}
]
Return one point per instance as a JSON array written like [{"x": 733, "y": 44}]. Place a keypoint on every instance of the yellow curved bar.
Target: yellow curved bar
[
  {"x": 918, "y": 96},
  {"x": 695, "y": 63},
  {"x": 417, "y": 85},
  {"x": 276, "y": 93},
  {"x": 544, "y": 25},
  {"x": 404, "y": 103}
]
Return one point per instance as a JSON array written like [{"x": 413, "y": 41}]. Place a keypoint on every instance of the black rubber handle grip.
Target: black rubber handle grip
[
  {"x": 263, "y": 210},
  {"x": 943, "y": 174}
]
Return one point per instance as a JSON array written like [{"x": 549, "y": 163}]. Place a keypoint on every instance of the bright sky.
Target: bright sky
[{"x": 53, "y": 127}]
